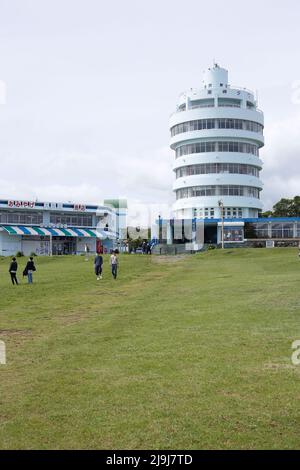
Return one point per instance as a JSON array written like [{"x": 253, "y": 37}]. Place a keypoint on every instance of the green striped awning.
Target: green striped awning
[{"x": 48, "y": 231}]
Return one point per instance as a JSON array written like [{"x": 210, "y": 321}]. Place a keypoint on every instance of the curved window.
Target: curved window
[
  {"x": 211, "y": 168},
  {"x": 225, "y": 190},
  {"x": 201, "y": 124},
  {"x": 203, "y": 147}
]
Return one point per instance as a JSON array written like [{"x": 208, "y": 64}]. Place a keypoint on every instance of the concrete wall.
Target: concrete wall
[
  {"x": 9, "y": 244},
  {"x": 39, "y": 247}
]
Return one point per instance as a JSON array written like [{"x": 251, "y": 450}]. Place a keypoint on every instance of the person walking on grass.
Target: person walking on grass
[
  {"x": 114, "y": 262},
  {"x": 98, "y": 263},
  {"x": 13, "y": 268},
  {"x": 29, "y": 269}
]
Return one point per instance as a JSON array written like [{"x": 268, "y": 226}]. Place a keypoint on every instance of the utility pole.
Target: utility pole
[{"x": 221, "y": 205}]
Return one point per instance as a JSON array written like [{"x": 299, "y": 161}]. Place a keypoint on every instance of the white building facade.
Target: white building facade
[
  {"x": 216, "y": 134},
  {"x": 45, "y": 228}
]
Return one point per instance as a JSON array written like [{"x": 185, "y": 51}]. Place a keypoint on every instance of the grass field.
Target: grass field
[{"x": 177, "y": 353}]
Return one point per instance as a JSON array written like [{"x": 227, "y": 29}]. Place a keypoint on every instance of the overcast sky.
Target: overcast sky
[{"x": 90, "y": 86}]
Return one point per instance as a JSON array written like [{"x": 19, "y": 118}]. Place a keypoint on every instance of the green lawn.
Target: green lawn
[{"x": 186, "y": 353}]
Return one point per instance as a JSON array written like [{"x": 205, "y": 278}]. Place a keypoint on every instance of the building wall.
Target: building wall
[
  {"x": 236, "y": 232},
  {"x": 30, "y": 246},
  {"x": 64, "y": 215},
  {"x": 9, "y": 244}
]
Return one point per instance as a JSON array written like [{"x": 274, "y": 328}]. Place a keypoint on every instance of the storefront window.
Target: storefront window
[
  {"x": 82, "y": 220},
  {"x": 234, "y": 234},
  {"x": 287, "y": 230},
  {"x": 26, "y": 218}
]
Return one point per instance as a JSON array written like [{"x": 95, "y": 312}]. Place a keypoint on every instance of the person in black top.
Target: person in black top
[
  {"x": 13, "y": 268},
  {"x": 98, "y": 266},
  {"x": 29, "y": 269}
]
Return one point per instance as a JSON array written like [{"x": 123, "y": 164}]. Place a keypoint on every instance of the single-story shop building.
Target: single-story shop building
[{"x": 196, "y": 233}]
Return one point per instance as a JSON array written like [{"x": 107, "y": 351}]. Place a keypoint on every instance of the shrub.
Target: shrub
[{"x": 33, "y": 253}]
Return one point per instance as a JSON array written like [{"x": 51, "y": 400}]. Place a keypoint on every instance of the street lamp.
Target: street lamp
[
  {"x": 221, "y": 205},
  {"x": 159, "y": 228},
  {"x": 51, "y": 245}
]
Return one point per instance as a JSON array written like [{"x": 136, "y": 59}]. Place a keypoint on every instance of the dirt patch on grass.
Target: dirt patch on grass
[
  {"x": 274, "y": 366},
  {"x": 111, "y": 293},
  {"x": 71, "y": 319},
  {"x": 82, "y": 313},
  {"x": 168, "y": 259},
  {"x": 17, "y": 337},
  {"x": 10, "y": 332},
  {"x": 228, "y": 394}
]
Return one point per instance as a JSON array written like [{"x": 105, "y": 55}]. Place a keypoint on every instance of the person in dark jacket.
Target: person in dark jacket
[
  {"x": 114, "y": 263},
  {"x": 29, "y": 269},
  {"x": 13, "y": 268},
  {"x": 98, "y": 266}
]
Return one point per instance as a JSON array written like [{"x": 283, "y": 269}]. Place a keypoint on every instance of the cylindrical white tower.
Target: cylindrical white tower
[{"x": 216, "y": 134}]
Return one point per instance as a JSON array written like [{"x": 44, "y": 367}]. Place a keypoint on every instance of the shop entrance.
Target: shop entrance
[
  {"x": 63, "y": 246},
  {"x": 211, "y": 234}
]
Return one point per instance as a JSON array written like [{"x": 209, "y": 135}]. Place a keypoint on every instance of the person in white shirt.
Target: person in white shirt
[{"x": 114, "y": 264}]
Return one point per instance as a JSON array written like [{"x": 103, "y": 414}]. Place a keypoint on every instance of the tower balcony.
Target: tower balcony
[
  {"x": 213, "y": 201},
  {"x": 217, "y": 179},
  {"x": 218, "y": 134},
  {"x": 215, "y": 157},
  {"x": 217, "y": 112}
]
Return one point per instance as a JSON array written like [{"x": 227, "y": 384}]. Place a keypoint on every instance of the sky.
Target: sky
[{"x": 87, "y": 88}]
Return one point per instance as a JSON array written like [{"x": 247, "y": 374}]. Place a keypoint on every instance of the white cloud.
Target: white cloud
[
  {"x": 281, "y": 156},
  {"x": 89, "y": 177},
  {"x": 91, "y": 89}
]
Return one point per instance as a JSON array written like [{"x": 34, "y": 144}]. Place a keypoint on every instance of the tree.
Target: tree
[
  {"x": 287, "y": 207},
  {"x": 284, "y": 208},
  {"x": 296, "y": 207},
  {"x": 265, "y": 215}
]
